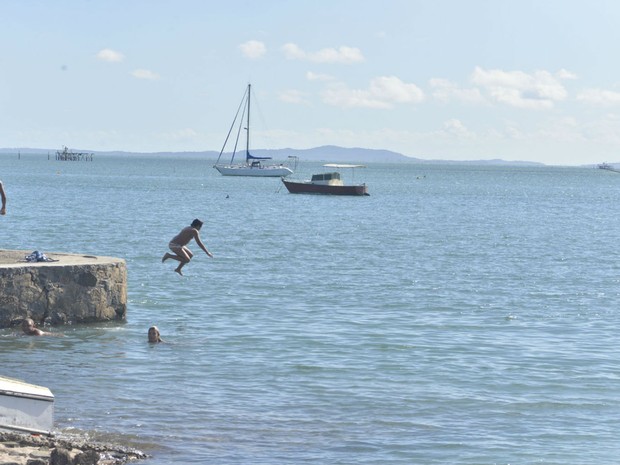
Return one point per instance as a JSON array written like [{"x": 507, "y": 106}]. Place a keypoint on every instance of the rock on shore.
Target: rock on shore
[{"x": 26, "y": 449}]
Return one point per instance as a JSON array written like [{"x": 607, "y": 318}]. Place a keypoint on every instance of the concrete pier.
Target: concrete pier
[{"x": 73, "y": 289}]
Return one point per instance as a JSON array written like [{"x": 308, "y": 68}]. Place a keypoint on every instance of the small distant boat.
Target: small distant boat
[
  {"x": 253, "y": 166},
  {"x": 25, "y": 407},
  {"x": 608, "y": 167},
  {"x": 329, "y": 183}
]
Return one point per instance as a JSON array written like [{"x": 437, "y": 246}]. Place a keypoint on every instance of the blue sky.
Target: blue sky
[{"x": 458, "y": 80}]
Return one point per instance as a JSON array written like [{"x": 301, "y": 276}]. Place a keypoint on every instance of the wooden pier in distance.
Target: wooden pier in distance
[{"x": 69, "y": 155}]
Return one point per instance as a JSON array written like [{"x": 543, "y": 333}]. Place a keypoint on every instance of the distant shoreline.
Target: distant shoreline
[{"x": 323, "y": 154}]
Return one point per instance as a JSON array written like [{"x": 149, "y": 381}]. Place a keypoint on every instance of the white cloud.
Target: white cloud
[
  {"x": 109, "y": 55},
  {"x": 145, "y": 74},
  {"x": 293, "y": 52},
  {"x": 383, "y": 92},
  {"x": 512, "y": 132},
  {"x": 604, "y": 130},
  {"x": 565, "y": 129},
  {"x": 253, "y": 49},
  {"x": 344, "y": 55},
  {"x": 539, "y": 90},
  {"x": 565, "y": 74},
  {"x": 456, "y": 128},
  {"x": 393, "y": 89},
  {"x": 341, "y": 55},
  {"x": 310, "y": 76},
  {"x": 294, "y": 97},
  {"x": 599, "y": 97},
  {"x": 445, "y": 91},
  {"x": 180, "y": 134}
]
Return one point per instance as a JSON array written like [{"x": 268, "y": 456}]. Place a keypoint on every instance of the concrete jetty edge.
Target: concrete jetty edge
[{"x": 70, "y": 289}]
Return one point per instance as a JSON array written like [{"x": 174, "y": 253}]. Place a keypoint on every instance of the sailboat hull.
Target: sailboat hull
[{"x": 273, "y": 171}]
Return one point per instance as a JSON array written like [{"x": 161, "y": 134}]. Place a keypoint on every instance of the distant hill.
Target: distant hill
[
  {"x": 325, "y": 153},
  {"x": 328, "y": 153},
  {"x": 332, "y": 153}
]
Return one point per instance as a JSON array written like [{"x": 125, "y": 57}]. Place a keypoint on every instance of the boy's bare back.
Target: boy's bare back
[{"x": 187, "y": 234}]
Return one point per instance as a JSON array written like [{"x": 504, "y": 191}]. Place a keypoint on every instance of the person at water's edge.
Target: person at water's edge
[
  {"x": 178, "y": 245},
  {"x": 3, "y": 197}
]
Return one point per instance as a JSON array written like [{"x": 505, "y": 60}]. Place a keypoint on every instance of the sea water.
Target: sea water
[{"x": 460, "y": 314}]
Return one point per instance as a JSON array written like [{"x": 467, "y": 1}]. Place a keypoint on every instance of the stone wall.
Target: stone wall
[{"x": 72, "y": 289}]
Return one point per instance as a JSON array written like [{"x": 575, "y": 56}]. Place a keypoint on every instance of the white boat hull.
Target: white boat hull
[
  {"x": 25, "y": 407},
  {"x": 273, "y": 171}
]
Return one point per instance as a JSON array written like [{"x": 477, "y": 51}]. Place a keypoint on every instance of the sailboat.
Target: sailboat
[{"x": 253, "y": 166}]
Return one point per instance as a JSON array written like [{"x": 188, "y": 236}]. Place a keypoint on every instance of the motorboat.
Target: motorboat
[
  {"x": 329, "y": 183},
  {"x": 25, "y": 407}
]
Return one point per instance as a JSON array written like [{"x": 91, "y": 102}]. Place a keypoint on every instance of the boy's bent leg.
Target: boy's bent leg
[
  {"x": 178, "y": 268},
  {"x": 183, "y": 255},
  {"x": 169, "y": 255},
  {"x": 179, "y": 255}
]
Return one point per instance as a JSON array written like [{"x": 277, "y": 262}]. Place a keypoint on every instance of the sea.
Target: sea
[{"x": 460, "y": 314}]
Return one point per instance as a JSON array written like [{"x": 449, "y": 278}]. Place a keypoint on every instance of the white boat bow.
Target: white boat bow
[{"x": 25, "y": 407}]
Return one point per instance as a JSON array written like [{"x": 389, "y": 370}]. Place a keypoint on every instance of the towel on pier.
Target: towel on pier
[{"x": 37, "y": 256}]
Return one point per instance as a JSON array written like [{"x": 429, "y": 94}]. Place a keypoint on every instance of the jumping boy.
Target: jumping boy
[{"x": 178, "y": 245}]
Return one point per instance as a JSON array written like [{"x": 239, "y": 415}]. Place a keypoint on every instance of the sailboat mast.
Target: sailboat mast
[{"x": 247, "y": 139}]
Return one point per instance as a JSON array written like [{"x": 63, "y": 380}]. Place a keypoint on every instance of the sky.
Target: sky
[{"x": 437, "y": 80}]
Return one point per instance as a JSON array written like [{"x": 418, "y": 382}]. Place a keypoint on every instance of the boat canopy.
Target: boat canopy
[
  {"x": 325, "y": 176},
  {"x": 336, "y": 165}
]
